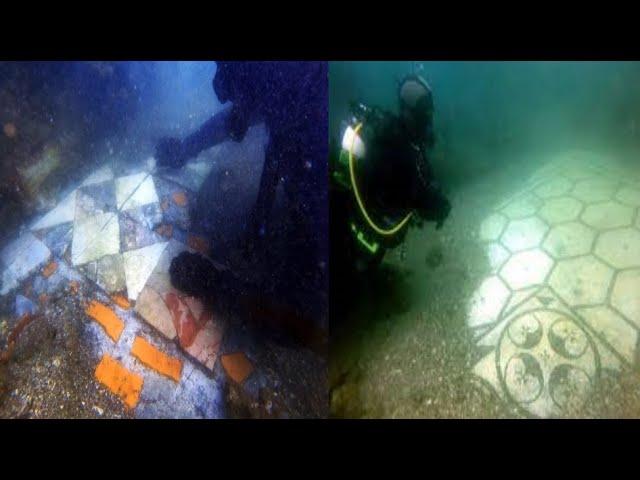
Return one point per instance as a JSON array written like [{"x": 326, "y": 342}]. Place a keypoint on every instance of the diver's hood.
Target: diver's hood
[
  {"x": 416, "y": 99},
  {"x": 414, "y": 92}
]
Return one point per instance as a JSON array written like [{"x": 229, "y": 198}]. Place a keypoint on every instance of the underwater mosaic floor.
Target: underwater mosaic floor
[
  {"x": 562, "y": 302},
  {"x": 120, "y": 233}
]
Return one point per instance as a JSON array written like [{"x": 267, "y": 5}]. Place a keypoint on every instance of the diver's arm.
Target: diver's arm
[
  {"x": 431, "y": 202},
  {"x": 230, "y": 123}
]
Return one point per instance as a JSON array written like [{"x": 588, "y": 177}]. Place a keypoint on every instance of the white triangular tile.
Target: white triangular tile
[
  {"x": 138, "y": 265},
  {"x": 94, "y": 237},
  {"x": 22, "y": 257},
  {"x": 101, "y": 175},
  {"x": 62, "y": 213},
  {"x": 135, "y": 190}
]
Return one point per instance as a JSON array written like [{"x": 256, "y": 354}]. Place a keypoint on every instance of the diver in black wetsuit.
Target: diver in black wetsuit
[
  {"x": 381, "y": 181},
  {"x": 291, "y": 99}
]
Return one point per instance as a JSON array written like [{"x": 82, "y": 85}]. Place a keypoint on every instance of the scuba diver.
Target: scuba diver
[
  {"x": 290, "y": 98},
  {"x": 381, "y": 181}
]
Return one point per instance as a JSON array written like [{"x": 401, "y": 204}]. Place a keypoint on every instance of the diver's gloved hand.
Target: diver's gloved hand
[
  {"x": 237, "y": 124},
  {"x": 436, "y": 206},
  {"x": 170, "y": 152}
]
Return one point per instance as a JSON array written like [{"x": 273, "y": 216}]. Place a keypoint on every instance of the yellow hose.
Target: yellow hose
[{"x": 379, "y": 230}]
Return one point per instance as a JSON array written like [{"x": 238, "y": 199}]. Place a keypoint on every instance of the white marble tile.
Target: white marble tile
[
  {"x": 62, "y": 213},
  {"x": 126, "y": 186},
  {"x": 94, "y": 237},
  {"x": 138, "y": 265},
  {"x": 21, "y": 258},
  {"x": 101, "y": 175}
]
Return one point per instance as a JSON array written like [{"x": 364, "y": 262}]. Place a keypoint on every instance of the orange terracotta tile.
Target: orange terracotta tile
[
  {"x": 156, "y": 359},
  {"x": 199, "y": 244},
  {"x": 49, "y": 269},
  {"x": 237, "y": 366},
  {"x": 107, "y": 318},
  {"x": 185, "y": 323},
  {"x": 206, "y": 345},
  {"x": 124, "y": 383},
  {"x": 121, "y": 301},
  {"x": 166, "y": 230},
  {"x": 9, "y": 130},
  {"x": 180, "y": 199}
]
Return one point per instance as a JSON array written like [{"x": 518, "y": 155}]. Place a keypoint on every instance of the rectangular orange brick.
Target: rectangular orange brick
[
  {"x": 49, "y": 269},
  {"x": 237, "y": 366},
  {"x": 107, "y": 318},
  {"x": 180, "y": 199},
  {"x": 121, "y": 301},
  {"x": 156, "y": 359},
  {"x": 198, "y": 243},
  {"x": 127, "y": 385}
]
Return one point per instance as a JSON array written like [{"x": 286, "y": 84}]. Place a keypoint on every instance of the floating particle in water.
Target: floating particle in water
[{"x": 10, "y": 130}]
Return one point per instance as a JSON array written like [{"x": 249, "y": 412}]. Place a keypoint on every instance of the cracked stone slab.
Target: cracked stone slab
[
  {"x": 135, "y": 190},
  {"x": 94, "y": 237}
]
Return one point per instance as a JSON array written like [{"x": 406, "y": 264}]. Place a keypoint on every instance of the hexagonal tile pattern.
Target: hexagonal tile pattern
[
  {"x": 523, "y": 234},
  {"x": 629, "y": 196},
  {"x": 526, "y": 269},
  {"x": 554, "y": 188},
  {"x": 576, "y": 173},
  {"x": 620, "y": 248},
  {"x": 581, "y": 281},
  {"x": 524, "y": 206},
  {"x": 570, "y": 250},
  {"x": 608, "y": 215},
  {"x": 497, "y": 255},
  {"x": 562, "y": 209},
  {"x": 487, "y": 302},
  {"x": 625, "y": 296},
  {"x": 569, "y": 240},
  {"x": 594, "y": 190},
  {"x": 492, "y": 227},
  {"x": 618, "y": 333}
]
